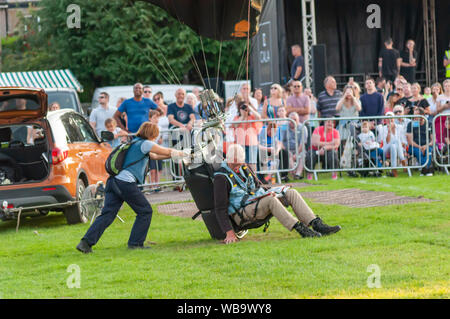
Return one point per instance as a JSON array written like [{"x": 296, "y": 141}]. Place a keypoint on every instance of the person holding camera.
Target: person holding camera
[{"x": 246, "y": 134}]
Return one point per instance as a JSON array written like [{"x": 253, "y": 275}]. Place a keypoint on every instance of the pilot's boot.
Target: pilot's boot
[
  {"x": 319, "y": 226},
  {"x": 305, "y": 231}
]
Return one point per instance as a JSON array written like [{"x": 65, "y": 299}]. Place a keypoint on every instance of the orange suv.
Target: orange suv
[{"x": 46, "y": 159}]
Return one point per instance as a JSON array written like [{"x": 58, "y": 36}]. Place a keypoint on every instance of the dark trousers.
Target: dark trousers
[
  {"x": 117, "y": 192},
  {"x": 329, "y": 160},
  {"x": 284, "y": 161},
  {"x": 390, "y": 77}
]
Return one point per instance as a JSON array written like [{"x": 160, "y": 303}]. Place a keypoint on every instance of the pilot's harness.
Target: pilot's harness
[{"x": 239, "y": 211}]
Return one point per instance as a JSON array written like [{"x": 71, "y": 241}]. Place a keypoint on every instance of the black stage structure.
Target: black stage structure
[{"x": 351, "y": 46}]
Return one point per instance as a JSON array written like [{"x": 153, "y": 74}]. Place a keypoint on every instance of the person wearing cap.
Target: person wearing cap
[
  {"x": 402, "y": 123},
  {"x": 240, "y": 196},
  {"x": 391, "y": 102},
  {"x": 389, "y": 135}
]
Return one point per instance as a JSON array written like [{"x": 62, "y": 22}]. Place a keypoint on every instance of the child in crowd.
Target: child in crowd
[
  {"x": 426, "y": 92},
  {"x": 153, "y": 117},
  {"x": 155, "y": 166},
  {"x": 119, "y": 134},
  {"x": 369, "y": 143}
]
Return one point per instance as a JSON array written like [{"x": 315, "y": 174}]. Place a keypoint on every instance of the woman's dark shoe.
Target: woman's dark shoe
[{"x": 84, "y": 247}]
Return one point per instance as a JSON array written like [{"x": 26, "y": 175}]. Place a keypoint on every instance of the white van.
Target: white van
[
  {"x": 67, "y": 98},
  {"x": 116, "y": 92}
]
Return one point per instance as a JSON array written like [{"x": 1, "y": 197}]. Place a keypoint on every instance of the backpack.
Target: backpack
[
  {"x": 9, "y": 170},
  {"x": 116, "y": 159}
]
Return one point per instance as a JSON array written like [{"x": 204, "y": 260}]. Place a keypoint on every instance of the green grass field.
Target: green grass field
[{"x": 408, "y": 243}]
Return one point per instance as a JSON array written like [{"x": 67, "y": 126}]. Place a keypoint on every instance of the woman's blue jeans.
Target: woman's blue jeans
[
  {"x": 117, "y": 192},
  {"x": 417, "y": 153}
]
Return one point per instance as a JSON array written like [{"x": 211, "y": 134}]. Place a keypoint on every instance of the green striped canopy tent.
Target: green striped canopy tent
[{"x": 41, "y": 79}]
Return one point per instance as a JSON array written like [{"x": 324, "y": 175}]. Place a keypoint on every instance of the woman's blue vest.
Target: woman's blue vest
[
  {"x": 134, "y": 154},
  {"x": 242, "y": 190}
]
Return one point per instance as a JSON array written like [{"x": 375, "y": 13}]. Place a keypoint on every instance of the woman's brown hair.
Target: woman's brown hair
[{"x": 148, "y": 131}]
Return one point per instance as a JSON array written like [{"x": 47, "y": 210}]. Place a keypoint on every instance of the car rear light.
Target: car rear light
[
  {"x": 46, "y": 189},
  {"x": 58, "y": 155},
  {"x": 6, "y": 205}
]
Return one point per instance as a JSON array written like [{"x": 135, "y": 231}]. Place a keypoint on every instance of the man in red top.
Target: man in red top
[{"x": 325, "y": 142}]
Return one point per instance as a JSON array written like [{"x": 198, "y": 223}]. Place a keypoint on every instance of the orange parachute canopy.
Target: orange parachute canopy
[{"x": 216, "y": 19}]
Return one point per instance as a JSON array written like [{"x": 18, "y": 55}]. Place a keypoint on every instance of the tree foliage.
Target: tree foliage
[{"x": 120, "y": 42}]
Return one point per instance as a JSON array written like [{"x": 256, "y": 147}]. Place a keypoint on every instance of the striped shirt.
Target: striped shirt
[{"x": 326, "y": 104}]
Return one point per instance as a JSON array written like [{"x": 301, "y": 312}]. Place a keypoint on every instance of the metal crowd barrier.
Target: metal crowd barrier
[
  {"x": 441, "y": 152},
  {"x": 279, "y": 146},
  {"x": 276, "y": 151},
  {"x": 161, "y": 172},
  {"x": 276, "y": 145},
  {"x": 371, "y": 152}
]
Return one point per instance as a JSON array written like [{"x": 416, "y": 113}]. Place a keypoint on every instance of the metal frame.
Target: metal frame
[
  {"x": 309, "y": 38},
  {"x": 322, "y": 170},
  {"x": 429, "y": 31},
  {"x": 445, "y": 166},
  {"x": 195, "y": 139}
]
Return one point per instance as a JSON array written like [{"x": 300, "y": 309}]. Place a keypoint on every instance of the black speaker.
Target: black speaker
[
  {"x": 216, "y": 85},
  {"x": 319, "y": 67}
]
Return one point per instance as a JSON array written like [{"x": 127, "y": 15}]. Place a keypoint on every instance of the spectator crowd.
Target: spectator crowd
[{"x": 291, "y": 125}]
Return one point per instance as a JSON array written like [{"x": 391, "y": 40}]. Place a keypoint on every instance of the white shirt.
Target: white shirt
[
  {"x": 443, "y": 99},
  {"x": 99, "y": 115},
  {"x": 402, "y": 130},
  {"x": 399, "y": 135},
  {"x": 368, "y": 140},
  {"x": 432, "y": 104},
  {"x": 163, "y": 124}
]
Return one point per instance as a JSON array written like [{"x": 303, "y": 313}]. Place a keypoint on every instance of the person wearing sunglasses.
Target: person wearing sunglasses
[
  {"x": 148, "y": 92},
  {"x": 101, "y": 113},
  {"x": 299, "y": 102},
  {"x": 271, "y": 105}
]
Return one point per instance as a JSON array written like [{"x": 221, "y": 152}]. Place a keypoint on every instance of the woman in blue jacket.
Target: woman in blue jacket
[{"x": 124, "y": 188}]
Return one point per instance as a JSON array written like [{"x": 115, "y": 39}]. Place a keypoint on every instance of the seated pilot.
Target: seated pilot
[{"x": 234, "y": 187}]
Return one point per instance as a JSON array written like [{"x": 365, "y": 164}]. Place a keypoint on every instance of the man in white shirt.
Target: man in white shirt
[{"x": 100, "y": 114}]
